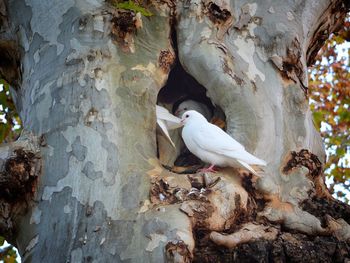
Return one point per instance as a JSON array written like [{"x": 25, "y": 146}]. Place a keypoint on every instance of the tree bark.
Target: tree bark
[
  {"x": 88, "y": 85},
  {"x": 20, "y": 167}
]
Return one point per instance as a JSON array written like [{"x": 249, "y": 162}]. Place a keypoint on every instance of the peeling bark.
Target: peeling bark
[
  {"x": 18, "y": 175},
  {"x": 178, "y": 252},
  {"x": 166, "y": 60},
  {"x": 248, "y": 233},
  {"x": 20, "y": 167},
  {"x": 123, "y": 29}
]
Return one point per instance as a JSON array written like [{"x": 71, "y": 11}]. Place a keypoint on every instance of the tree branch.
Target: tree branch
[{"x": 322, "y": 20}]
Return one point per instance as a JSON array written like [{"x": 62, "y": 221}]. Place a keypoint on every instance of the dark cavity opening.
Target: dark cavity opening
[{"x": 181, "y": 88}]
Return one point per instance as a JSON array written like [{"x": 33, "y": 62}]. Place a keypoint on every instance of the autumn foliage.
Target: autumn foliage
[{"x": 329, "y": 91}]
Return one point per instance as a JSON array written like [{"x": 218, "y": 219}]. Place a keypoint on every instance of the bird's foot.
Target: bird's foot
[{"x": 210, "y": 169}]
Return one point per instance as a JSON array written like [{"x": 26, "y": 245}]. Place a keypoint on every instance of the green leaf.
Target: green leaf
[
  {"x": 4, "y": 131},
  {"x": 318, "y": 118},
  {"x": 344, "y": 115},
  {"x": 130, "y": 5},
  {"x": 9, "y": 113},
  {"x": 2, "y": 240},
  {"x": 340, "y": 151},
  {"x": 11, "y": 257}
]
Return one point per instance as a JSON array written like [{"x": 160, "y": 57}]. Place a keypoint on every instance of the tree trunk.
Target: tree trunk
[{"x": 85, "y": 79}]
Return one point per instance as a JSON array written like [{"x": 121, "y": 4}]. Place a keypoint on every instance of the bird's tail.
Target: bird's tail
[
  {"x": 248, "y": 167},
  {"x": 250, "y": 159}
]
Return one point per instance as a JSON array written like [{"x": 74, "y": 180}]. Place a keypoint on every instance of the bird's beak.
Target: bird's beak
[{"x": 177, "y": 112}]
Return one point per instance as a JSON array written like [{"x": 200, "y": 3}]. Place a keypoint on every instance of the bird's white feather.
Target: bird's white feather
[
  {"x": 211, "y": 138},
  {"x": 171, "y": 121},
  {"x": 166, "y": 121},
  {"x": 213, "y": 145},
  {"x": 248, "y": 167},
  {"x": 164, "y": 130}
]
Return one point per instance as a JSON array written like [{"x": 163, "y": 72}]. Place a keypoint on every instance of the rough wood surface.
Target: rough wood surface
[
  {"x": 20, "y": 168},
  {"x": 288, "y": 247}
]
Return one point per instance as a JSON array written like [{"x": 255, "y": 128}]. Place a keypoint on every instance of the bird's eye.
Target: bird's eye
[
  {"x": 185, "y": 108},
  {"x": 187, "y": 116}
]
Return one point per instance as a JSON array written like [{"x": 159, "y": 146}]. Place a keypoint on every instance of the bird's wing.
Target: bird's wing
[
  {"x": 211, "y": 138},
  {"x": 164, "y": 130},
  {"x": 172, "y": 122}
]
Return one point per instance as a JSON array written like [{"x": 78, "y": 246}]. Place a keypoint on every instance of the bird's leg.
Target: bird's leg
[{"x": 209, "y": 169}]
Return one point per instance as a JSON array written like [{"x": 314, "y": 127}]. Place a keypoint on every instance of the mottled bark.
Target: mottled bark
[{"x": 89, "y": 80}]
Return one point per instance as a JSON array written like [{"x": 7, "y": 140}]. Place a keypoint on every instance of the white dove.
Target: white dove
[
  {"x": 166, "y": 121},
  {"x": 193, "y": 105},
  {"x": 212, "y": 145}
]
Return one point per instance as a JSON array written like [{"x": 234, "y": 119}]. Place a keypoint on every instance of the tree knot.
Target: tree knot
[
  {"x": 166, "y": 60},
  {"x": 218, "y": 15},
  {"x": 306, "y": 159},
  {"x": 178, "y": 251},
  {"x": 19, "y": 175}
]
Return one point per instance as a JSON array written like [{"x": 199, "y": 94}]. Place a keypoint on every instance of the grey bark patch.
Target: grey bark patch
[
  {"x": 112, "y": 152},
  {"x": 77, "y": 255},
  {"x": 155, "y": 226},
  {"x": 89, "y": 171},
  {"x": 130, "y": 195},
  {"x": 244, "y": 18},
  {"x": 112, "y": 161},
  {"x": 122, "y": 233},
  {"x": 50, "y": 104},
  {"x": 68, "y": 26},
  {"x": 46, "y": 25},
  {"x": 36, "y": 215},
  {"x": 78, "y": 150},
  {"x": 77, "y": 235},
  {"x": 56, "y": 159},
  {"x": 55, "y": 223},
  {"x": 96, "y": 228}
]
